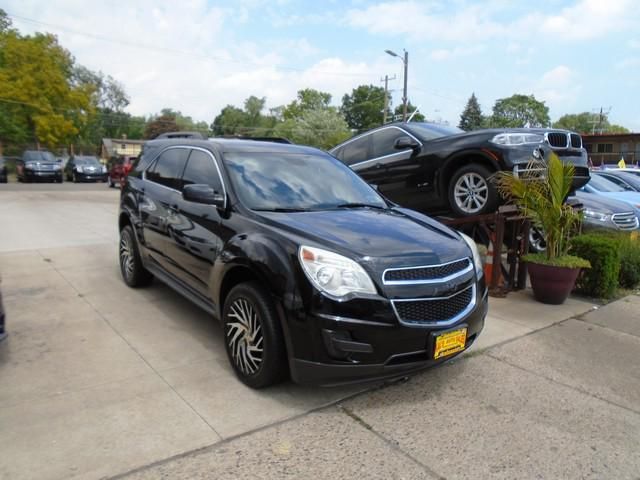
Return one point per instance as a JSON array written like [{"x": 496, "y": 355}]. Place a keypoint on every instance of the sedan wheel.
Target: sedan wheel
[
  {"x": 253, "y": 336},
  {"x": 471, "y": 193},
  {"x": 537, "y": 242}
]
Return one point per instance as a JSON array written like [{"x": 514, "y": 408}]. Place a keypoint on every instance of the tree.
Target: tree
[
  {"x": 321, "y": 127},
  {"x": 307, "y": 99},
  {"x": 41, "y": 103},
  {"x": 250, "y": 121},
  {"x": 159, "y": 125},
  {"x": 471, "y": 117},
  {"x": 587, "y": 122},
  {"x": 418, "y": 117},
  {"x": 363, "y": 109},
  {"x": 519, "y": 111}
]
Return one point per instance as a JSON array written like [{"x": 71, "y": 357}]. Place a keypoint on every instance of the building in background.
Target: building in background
[
  {"x": 609, "y": 148},
  {"x": 120, "y": 148}
]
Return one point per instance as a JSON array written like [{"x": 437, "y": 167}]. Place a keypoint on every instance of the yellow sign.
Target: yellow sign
[
  {"x": 450, "y": 343},
  {"x": 622, "y": 164}
]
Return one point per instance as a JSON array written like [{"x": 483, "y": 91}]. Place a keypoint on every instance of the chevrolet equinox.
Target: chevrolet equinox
[{"x": 311, "y": 272}]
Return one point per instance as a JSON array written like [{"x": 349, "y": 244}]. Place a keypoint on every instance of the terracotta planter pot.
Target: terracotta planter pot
[{"x": 551, "y": 284}]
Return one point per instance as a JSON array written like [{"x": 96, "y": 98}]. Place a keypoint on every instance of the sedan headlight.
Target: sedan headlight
[
  {"x": 104, "y": 169},
  {"x": 333, "y": 274},
  {"x": 517, "y": 139},
  {"x": 477, "y": 259},
  {"x": 595, "y": 215},
  {"x": 57, "y": 167},
  {"x": 29, "y": 166},
  {"x": 78, "y": 169}
]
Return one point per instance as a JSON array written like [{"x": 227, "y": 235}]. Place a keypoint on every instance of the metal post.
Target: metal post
[
  {"x": 386, "y": 99},
  {"x": 404, "y": 95}
]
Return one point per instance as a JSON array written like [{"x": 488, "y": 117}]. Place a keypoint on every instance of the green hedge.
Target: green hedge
[
  {"x": 629, "y": 247},
  {"x": 603, "y": 252}
]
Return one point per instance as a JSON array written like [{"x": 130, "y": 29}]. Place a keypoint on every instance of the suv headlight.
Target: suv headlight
[
  {"x": 477, "y": 260},
  {"x": 517, "y": 139},
  {"x": 333, "y": 274},
  {"x": 595, "y": 215},
  {"x": 29, "y": 166}
]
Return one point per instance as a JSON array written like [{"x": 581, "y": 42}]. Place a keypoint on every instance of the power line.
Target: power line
[{"x": 171, "y": 51}]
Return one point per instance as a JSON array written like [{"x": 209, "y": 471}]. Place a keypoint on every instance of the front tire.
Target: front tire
[
  {"x": 74, "y": 178},
  {"x": 253, "y": 336},
  {"x": 471, "y": 191},
  {"x": 133, "y": 272}
]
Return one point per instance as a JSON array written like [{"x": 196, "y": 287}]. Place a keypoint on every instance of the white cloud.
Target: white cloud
[
  {"x": 558, "y": 86},
  {"x": 626, "y": 63},
  {"x": 447, "y": 54}
]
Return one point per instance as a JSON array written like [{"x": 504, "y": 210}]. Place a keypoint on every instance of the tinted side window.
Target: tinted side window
[
  {"x": 356, "y": 151},
  {"x": 201, "y": 169},
  {"x": 383, "y": 141},
  {"x": 168, "y": 168}
]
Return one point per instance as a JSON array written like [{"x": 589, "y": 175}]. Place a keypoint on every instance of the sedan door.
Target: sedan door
[{"x": 194, "y": 228}]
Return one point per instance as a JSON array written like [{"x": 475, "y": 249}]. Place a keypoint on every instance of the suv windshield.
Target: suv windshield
[
  {"x": 430, "y": 131},
  {"x": 86, "y": 161},
  {"x": 284, "y": 181},
  {"x": 35, "y": 156}
]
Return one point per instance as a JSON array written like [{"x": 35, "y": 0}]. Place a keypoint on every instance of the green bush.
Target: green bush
[
  {"x": 603, "y": 252},
  {"x": 629, "y": 260}
]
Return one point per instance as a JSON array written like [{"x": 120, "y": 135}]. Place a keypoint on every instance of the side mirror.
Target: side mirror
[
  {"x": 198, "y": 193},
  {"x": 404, "y": 143}
]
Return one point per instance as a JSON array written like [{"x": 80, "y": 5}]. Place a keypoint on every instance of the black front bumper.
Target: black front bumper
[
  {"x": 396, "y": 350},
  {"x": 43, "y": 175},
  {"x": 91, "y": 177}
]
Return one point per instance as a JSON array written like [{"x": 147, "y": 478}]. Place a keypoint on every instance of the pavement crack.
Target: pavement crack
[
  {"x": 391, "y": 443},
  {"x": 566, "y": 385}
]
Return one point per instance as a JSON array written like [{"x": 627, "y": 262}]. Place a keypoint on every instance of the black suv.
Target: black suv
[
  {"x": 38, "y": 165},
  {"x": 311, "y": 272},
  {"x": 439, "y": 169}
]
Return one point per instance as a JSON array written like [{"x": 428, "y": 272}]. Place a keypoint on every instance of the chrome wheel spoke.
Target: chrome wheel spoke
[{"x": 244, "y": 336}]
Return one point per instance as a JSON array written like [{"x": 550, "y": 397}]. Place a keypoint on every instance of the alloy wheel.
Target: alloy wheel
[
  {"x": 537, "y": 242},
  {"x": 126, "y": 256},
  {"x": 471, "y": 192},
  {"x": 243, "y": 331}
]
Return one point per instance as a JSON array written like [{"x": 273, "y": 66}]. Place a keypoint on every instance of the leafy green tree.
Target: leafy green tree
[
  {"x": 159, "y": 125},
  {"x": 307, "y": 99},
  {"x": 41, "y": 103},
  {"x": 586, "y": 122},
  {"x": 363, "y": 109},
  {"x": 418, "y": 117},
  {"x": 250, "y": 121},
  {"x": 471, "y": 117},
  {"x": 321, "y": 127},
  {"x": 518, "y": 111},
  {"x": 230, "y": 121}
]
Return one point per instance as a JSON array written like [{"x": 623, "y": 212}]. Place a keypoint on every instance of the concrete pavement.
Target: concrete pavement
[{"x": 99, "y": 379}]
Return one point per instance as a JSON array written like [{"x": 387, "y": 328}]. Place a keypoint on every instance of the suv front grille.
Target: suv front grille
[
  {"x": 426, "y": 274},
  {"x": 625, "y": 221},
  {"x": 576, "y": 140},
  {"x": 435, "y": 310},
  {"x": 557, "y": 139}
]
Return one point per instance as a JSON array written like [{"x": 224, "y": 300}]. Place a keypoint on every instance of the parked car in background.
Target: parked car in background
[
  {"x": 311, "y": 272},
  {"x": 38, "y": 165},
  {"x": 437, "y": 168},
  {"x": 85, "y": 168},
  {"x": 607, "y": 213},
  {"x": 601, "y": 186},
  {"x": 3, "y": 325},
  {"x": 622, "y": 178},
  {"x": 4, "y": 175},
  {"x": 119, "y": 168}
]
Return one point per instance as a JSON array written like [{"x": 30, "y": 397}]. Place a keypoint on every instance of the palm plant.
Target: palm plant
[{"x": 540, "y": 193}]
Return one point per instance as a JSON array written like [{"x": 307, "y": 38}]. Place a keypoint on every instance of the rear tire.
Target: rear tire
[
  {"x": 110, "y": 182},
  {"x": 253, "y": 336},
  {"x": 133, "y": 272},
  {"x": 471, "y": 191}
]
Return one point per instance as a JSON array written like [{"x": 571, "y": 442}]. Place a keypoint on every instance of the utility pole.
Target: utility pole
[
  {"x": 386, "y": 96},
  {"x": 404, "y": 94}
]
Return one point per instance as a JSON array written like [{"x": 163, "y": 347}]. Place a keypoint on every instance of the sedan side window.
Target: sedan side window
[
  {"x": 383, "y": 140},
  {"x": 202, "y": 169},
  {"x": 168, "y": 168},
  {"x": 356, "y": 150}
]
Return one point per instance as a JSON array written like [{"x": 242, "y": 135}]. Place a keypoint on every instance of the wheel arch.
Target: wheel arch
[{"x": 459, "y": 160}]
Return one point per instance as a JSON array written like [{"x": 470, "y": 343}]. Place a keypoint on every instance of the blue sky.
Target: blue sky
[{"x": 197, "y": 56}]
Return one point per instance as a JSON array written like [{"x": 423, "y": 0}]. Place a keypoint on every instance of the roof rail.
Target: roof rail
[
  {"x": 194, "y": 135},
  {"x": 260, "y": 139}
]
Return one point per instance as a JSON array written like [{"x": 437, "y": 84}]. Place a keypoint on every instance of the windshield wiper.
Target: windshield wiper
[
  {"x": 359, "y": 205},
  {"x": 282, "y": 209}
]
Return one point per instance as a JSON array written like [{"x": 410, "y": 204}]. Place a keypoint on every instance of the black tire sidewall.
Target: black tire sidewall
[
  {"x": 492, "y": 200},
  {"x": 140, "y": 276},
  {"x": 273, "y": 368}
]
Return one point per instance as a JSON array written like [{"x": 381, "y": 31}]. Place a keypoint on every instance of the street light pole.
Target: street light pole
[
  {"x": 405, "y": 61},
  {"x": 404, "y": 97}
]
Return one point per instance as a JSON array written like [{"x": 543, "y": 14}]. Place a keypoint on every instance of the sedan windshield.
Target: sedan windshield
[
  {"x": 603, "y": 185},
  {"x": 430, "y": 131},
  {"x": 89, "y": 161},
  {"x": 292, "y": 182}
]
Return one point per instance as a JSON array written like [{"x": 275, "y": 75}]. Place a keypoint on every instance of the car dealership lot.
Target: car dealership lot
[{"x": 99, "y": 379}]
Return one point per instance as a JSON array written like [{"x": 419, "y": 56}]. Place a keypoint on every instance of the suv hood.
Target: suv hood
[{"x": 393, "y": 237}]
